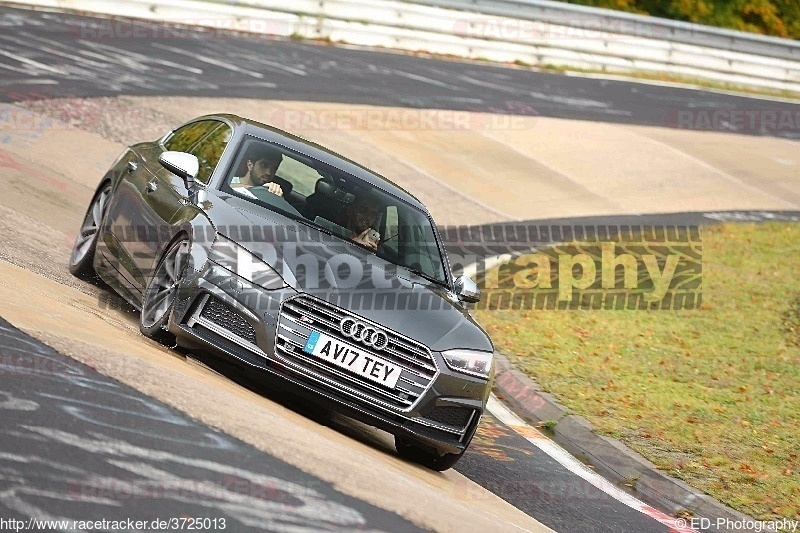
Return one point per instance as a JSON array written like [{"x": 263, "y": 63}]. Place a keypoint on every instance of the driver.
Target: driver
[{"x": 262, "y": 163}]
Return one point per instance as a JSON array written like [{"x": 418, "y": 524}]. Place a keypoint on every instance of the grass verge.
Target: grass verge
[{"x": 710, "y": 395}]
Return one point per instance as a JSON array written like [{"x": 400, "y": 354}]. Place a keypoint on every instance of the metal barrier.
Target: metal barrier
[
  {"x": 629, "y": 24},
  {"x": 528, "y": 32}
]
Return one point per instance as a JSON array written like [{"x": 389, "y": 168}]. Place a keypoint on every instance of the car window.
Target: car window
[
  {"x": 340, "y": 203},
  {"x": 303, "y": 177},
  {"x": 209, "y": 150},
  {"x": 187, "y": 136}
]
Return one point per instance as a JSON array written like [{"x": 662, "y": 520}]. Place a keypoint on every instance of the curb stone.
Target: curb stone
[{"x": 609, "y": 457}]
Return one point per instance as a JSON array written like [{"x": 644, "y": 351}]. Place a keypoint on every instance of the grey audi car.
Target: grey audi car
[{"x": 250, "y": 243}]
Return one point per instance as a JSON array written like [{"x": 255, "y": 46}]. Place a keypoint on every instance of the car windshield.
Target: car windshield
[{"x": 338, "y": 203}]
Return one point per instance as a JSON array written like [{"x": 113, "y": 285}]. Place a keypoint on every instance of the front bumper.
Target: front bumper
[{"x": 226, "y": 315}]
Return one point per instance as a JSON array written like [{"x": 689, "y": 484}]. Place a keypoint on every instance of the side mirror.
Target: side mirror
[
  {"x": 467, "y": 290},
  {"x": 181, "y": 164}
]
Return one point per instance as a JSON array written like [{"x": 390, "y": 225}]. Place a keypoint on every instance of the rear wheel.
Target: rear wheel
[
  {"x": 425, "y": 455},
  {"x": 82, "y": 258},
  {"x": 160, "y": 293}
]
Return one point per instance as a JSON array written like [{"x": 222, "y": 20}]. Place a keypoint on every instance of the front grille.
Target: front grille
[
  {"x": 227, "y": 317},
  {"x": 450, "y": 415},
  {"x": 303, "y": 314}
]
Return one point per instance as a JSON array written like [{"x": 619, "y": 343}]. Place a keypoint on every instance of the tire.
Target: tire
[
  {"x": 81, "y": 262},
  {"x": 159, "y": 296},
  {"x": 425, "y": 456}
]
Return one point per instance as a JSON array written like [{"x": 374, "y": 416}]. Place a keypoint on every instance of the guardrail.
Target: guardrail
[
  {"x": 540, "y": 32},
  {"x": 629, "y": 24}
]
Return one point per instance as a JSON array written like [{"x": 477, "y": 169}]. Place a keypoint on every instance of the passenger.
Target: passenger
[
  {"x": 362, "y": 217},
  {"x": 262, "y": 163}
]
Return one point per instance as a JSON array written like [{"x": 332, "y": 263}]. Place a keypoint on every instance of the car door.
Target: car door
[
  {"x": 148, "y": 196},
  {"x": 166, "y": 193}
]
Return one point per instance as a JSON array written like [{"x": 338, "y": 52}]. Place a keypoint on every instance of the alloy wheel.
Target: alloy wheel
[{"x": 160, "y": 293}]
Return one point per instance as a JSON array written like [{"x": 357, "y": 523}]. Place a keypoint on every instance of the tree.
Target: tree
[{"x": 779, "y": 18}]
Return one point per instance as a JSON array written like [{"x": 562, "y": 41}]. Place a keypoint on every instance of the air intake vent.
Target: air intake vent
[
  {"x": 227, "y": 317},
  {"x": 450, "y": 415}
]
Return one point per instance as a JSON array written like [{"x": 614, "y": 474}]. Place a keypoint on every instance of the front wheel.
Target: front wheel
[
  {"x": 427, "y": 457},
  {"x": 82, "y": 258},
  {"x": 160, "y": 293}
]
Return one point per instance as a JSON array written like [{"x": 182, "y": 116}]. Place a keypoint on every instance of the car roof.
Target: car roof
[{"x": 320, "y": 153}]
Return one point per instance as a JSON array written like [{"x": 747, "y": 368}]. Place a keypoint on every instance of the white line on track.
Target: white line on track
[
  {"x": 15, "y": 69},
  {"x": 13, "y": 81},
  {"x": 49, "y": 49},
  {"x": 560, "y": 455},
  {"x": 209, "y": 60},
  {"x": 129, "y": 59},
  {"x": 279, "y": 66},
  {"x": 32, "y": 63},
  {"x": 424, "y": 79}
]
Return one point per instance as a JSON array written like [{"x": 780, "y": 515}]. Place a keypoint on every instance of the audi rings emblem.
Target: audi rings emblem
[{"x": 368, "y": 335}]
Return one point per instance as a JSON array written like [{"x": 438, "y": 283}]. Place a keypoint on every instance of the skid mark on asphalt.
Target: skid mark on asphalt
[
  {"x": 66, "y": 54},
  {"x": 80, "y": 446}
]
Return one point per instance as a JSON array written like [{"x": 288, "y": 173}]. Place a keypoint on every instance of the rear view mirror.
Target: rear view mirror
[{"x": 332, "y": 191}]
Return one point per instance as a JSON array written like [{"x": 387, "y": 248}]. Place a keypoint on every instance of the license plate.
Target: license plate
[{"x": 354, "y": 359}]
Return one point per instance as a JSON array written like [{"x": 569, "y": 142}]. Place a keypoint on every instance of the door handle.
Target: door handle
[
  {"x": 132, "y": 166},
  {"x": 152, "y": 186}
]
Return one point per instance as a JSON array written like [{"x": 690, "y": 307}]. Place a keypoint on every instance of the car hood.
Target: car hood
[{"x": 350, "y": 276}]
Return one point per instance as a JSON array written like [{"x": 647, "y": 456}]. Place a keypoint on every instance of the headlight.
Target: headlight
[
  {"x": 241, "y": 262},
  {"x": 469, "y": 362}
]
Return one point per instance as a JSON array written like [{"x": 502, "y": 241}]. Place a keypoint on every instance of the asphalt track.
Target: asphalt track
[
  {"x": 48, "y": 55},
  {"x": 79, "y": 446},
  {"x": 68, "y": 55}
]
